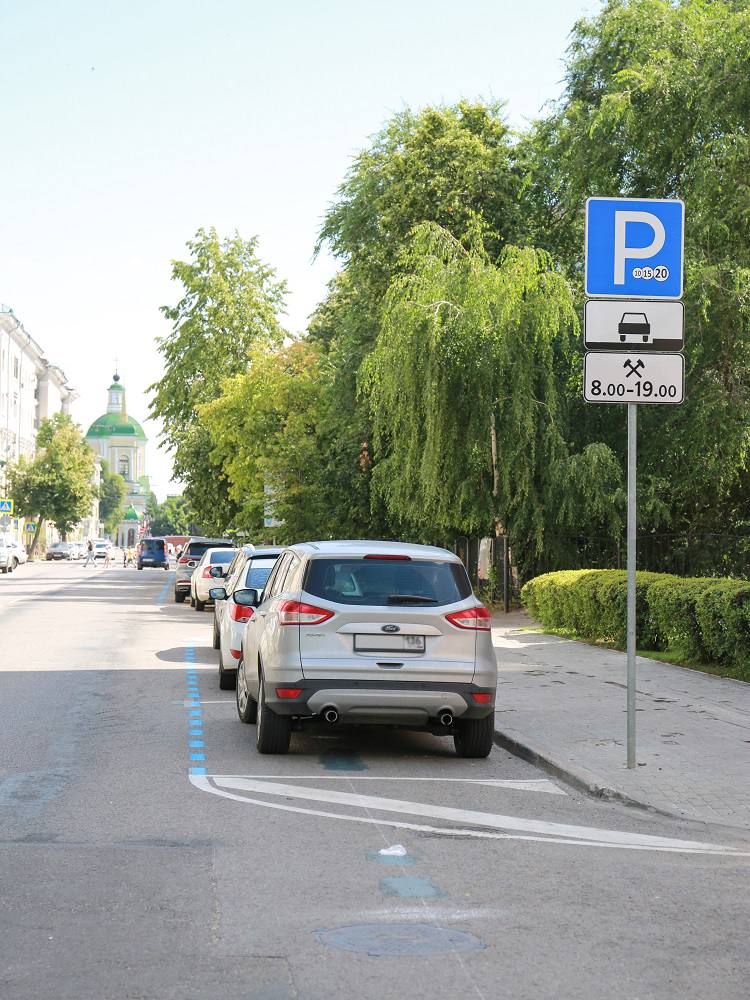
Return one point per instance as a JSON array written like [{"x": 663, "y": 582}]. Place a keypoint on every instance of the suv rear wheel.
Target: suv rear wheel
[
  {"x": 474, "y": 737},
  {"x": 178, "y": 597},
  {"x": 273, "y": 732}
]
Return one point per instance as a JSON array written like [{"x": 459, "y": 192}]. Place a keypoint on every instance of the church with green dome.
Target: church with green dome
[{"x": 119, "y": 440}]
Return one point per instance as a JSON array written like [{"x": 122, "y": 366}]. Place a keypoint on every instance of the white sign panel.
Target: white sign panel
[
  {"x": 647, "y": 325},
  {"x": 614, "y": 377}
]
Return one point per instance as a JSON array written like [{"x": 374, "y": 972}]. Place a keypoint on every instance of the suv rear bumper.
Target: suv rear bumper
[{"x": 387, "y": 702}]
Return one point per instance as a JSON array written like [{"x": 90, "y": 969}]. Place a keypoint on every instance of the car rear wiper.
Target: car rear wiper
[{"x": 410, "y": 599}]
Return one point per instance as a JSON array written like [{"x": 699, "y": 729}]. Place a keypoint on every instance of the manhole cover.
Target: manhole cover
[{"x": 399, "y": 939}]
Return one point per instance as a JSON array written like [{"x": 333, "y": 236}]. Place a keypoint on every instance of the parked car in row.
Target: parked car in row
[
  {"x": 192, "y": 550},
  {"x": 204, "y": 577},
  {"x": 7, "y": 564},
  {"x": 250, "y": 568},
  {"x": 101, "y": 547},
  {"x": 18, "y": 554},
  {"x": 358, "y": 632},
  {"x": 60, "y": 550}
]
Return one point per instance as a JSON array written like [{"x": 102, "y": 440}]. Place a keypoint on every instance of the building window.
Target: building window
[
  {"x": 15, "y": 367},
  {"x": 124, "y": 466}
]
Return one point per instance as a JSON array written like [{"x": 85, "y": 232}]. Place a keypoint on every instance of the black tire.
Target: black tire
[
  {"x": 216, "y": 639},
  {"x": 192, "y": 601},
  {"x": 199, "y": 605},
  {"x": 227, "y": 678},
  {"x": 4, "y": 569},
  {"x": 247, "y": 709},
  {"x": 140, "y": 567},
  {"x": 15, "y": 565},
  {"x": 273, "y": 732},
  {"x": 178, "y": 597},
  {"x": 474, "y": 737}
]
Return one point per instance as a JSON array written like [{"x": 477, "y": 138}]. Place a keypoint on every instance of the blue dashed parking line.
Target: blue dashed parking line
[
  {"x": 162, "y": 598},
  {"x": 196, "y": 746}
]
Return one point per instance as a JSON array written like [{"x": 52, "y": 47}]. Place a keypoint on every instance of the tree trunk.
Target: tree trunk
[{"x": 499, "y": 526}]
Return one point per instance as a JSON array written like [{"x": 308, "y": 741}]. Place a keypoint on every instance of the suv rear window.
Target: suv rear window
[
  {"x": 153, "y": 544},
  {"x": 388, "y": 582},
  {"x": 222, "y": 558},
  {"x": 258, "y": 571},
  {"x": 196, "y": 549}
]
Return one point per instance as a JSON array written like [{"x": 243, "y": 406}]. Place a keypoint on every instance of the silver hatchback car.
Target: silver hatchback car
[{"x": 368, "y": 632}]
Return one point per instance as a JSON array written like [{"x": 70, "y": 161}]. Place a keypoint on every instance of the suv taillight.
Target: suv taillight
[
  {"x": 184, "y": 560},
  {"x": 240, "y": 612},
  {"x": 478, "y": 619},
  {"x": 206, "y": 574},
  {"x": 298, "y": 613}
]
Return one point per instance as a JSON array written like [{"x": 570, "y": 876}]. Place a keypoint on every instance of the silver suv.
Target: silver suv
[{"x": 368, "y": 632}]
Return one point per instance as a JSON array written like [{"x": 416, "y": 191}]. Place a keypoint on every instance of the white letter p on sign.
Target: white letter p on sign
[{"x": 622, "y": 252}]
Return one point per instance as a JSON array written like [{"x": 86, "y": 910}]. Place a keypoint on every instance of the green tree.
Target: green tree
[
  {"x": 57, "y": 484},
  {"x": 173, "y": 517},
  {"x": 264, "y": 431},
  {"x": 449, "y": 165},
  {"x": 231, "y": 299},
  {"x": 656, "y": 104},
  {"x": 468, "y": 410},
  {"x": 111, "y": 498}
]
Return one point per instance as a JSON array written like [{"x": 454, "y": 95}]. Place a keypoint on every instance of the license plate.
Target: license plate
[{"x": 389, "y": 643}]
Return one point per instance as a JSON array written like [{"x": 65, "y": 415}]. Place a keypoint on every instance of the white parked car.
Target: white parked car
[
  {"x": 203, "y": 579},
  {"x": 18, "y": 553},
  {"x": 249, "y": 569},
  {"x": 368, "y": 632},
  {"x": 6, "y": 557}
]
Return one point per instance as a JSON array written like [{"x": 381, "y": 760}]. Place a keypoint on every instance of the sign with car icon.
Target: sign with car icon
[{"x": 649, "y": 325}]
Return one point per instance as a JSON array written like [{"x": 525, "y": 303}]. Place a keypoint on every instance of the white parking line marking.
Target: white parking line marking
[
  {"x": 539, "y": 830},
  {"x": 519, "y": 784}
]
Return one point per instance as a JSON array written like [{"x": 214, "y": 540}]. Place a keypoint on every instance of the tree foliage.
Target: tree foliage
[
  {"x": 438, "y": 389},
  {"x": 173, "y": 517},
  {"x": 468, "y": 410},
  {"x": 57, "y": 484},
  {"x": 231, "y": 300},
  {"x": 656, "y": 104},
  {"x": 112, "y": 491}
]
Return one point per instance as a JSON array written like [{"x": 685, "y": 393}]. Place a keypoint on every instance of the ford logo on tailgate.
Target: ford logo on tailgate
[{"x": 390, "y": 628}]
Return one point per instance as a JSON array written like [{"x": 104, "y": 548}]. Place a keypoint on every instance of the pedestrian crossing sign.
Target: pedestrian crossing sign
[{"x": 6, "y": 505}]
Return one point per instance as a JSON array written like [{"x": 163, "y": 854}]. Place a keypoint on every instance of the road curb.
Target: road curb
[{"x": 580, "y": 779}]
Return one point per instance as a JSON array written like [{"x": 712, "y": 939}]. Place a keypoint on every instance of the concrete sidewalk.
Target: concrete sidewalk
[{"x": 563, "y": 703}]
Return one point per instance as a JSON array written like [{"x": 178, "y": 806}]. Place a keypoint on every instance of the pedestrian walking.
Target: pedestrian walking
[
  {"x": 107, "y": 555},
  {"x": 90, "y": 554}
]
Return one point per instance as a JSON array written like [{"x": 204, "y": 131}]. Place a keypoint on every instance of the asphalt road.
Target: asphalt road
[{"x": 124, "y": 875}]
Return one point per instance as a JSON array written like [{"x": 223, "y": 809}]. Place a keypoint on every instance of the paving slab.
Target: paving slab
[{"x": 562, "y": 703}]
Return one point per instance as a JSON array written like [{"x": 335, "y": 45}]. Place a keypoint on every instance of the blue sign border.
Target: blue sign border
[{"x": 629, "y": 295}]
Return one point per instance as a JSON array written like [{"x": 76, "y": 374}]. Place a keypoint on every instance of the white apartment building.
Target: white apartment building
[{"x": 30, "y": 389}]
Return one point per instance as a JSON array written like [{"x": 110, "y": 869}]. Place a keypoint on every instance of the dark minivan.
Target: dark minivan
[{"x": 152, "y": 552}]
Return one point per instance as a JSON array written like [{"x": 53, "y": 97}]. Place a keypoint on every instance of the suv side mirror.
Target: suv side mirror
[
  {"x": 217, "y": 572},
  {"x": 217, "y": 594},
  {"x": 247, "y": 598}
]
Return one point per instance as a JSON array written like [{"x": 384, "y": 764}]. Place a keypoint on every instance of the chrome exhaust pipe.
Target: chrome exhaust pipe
[
  {"x": 446, "y": 719},
  {"x": 331, "y": 715}
]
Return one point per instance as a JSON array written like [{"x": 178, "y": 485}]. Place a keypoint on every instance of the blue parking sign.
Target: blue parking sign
[{"x": 634, "y": 247}]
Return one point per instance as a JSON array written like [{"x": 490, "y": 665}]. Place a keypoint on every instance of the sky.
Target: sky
[{"x": 127, "y": 126}]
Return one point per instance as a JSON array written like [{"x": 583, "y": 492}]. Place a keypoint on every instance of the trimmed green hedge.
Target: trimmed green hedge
[{"x": 702, "y": 618}]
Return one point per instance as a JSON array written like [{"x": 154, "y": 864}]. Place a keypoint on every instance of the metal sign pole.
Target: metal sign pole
[{"x": 632, "y": 467}]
